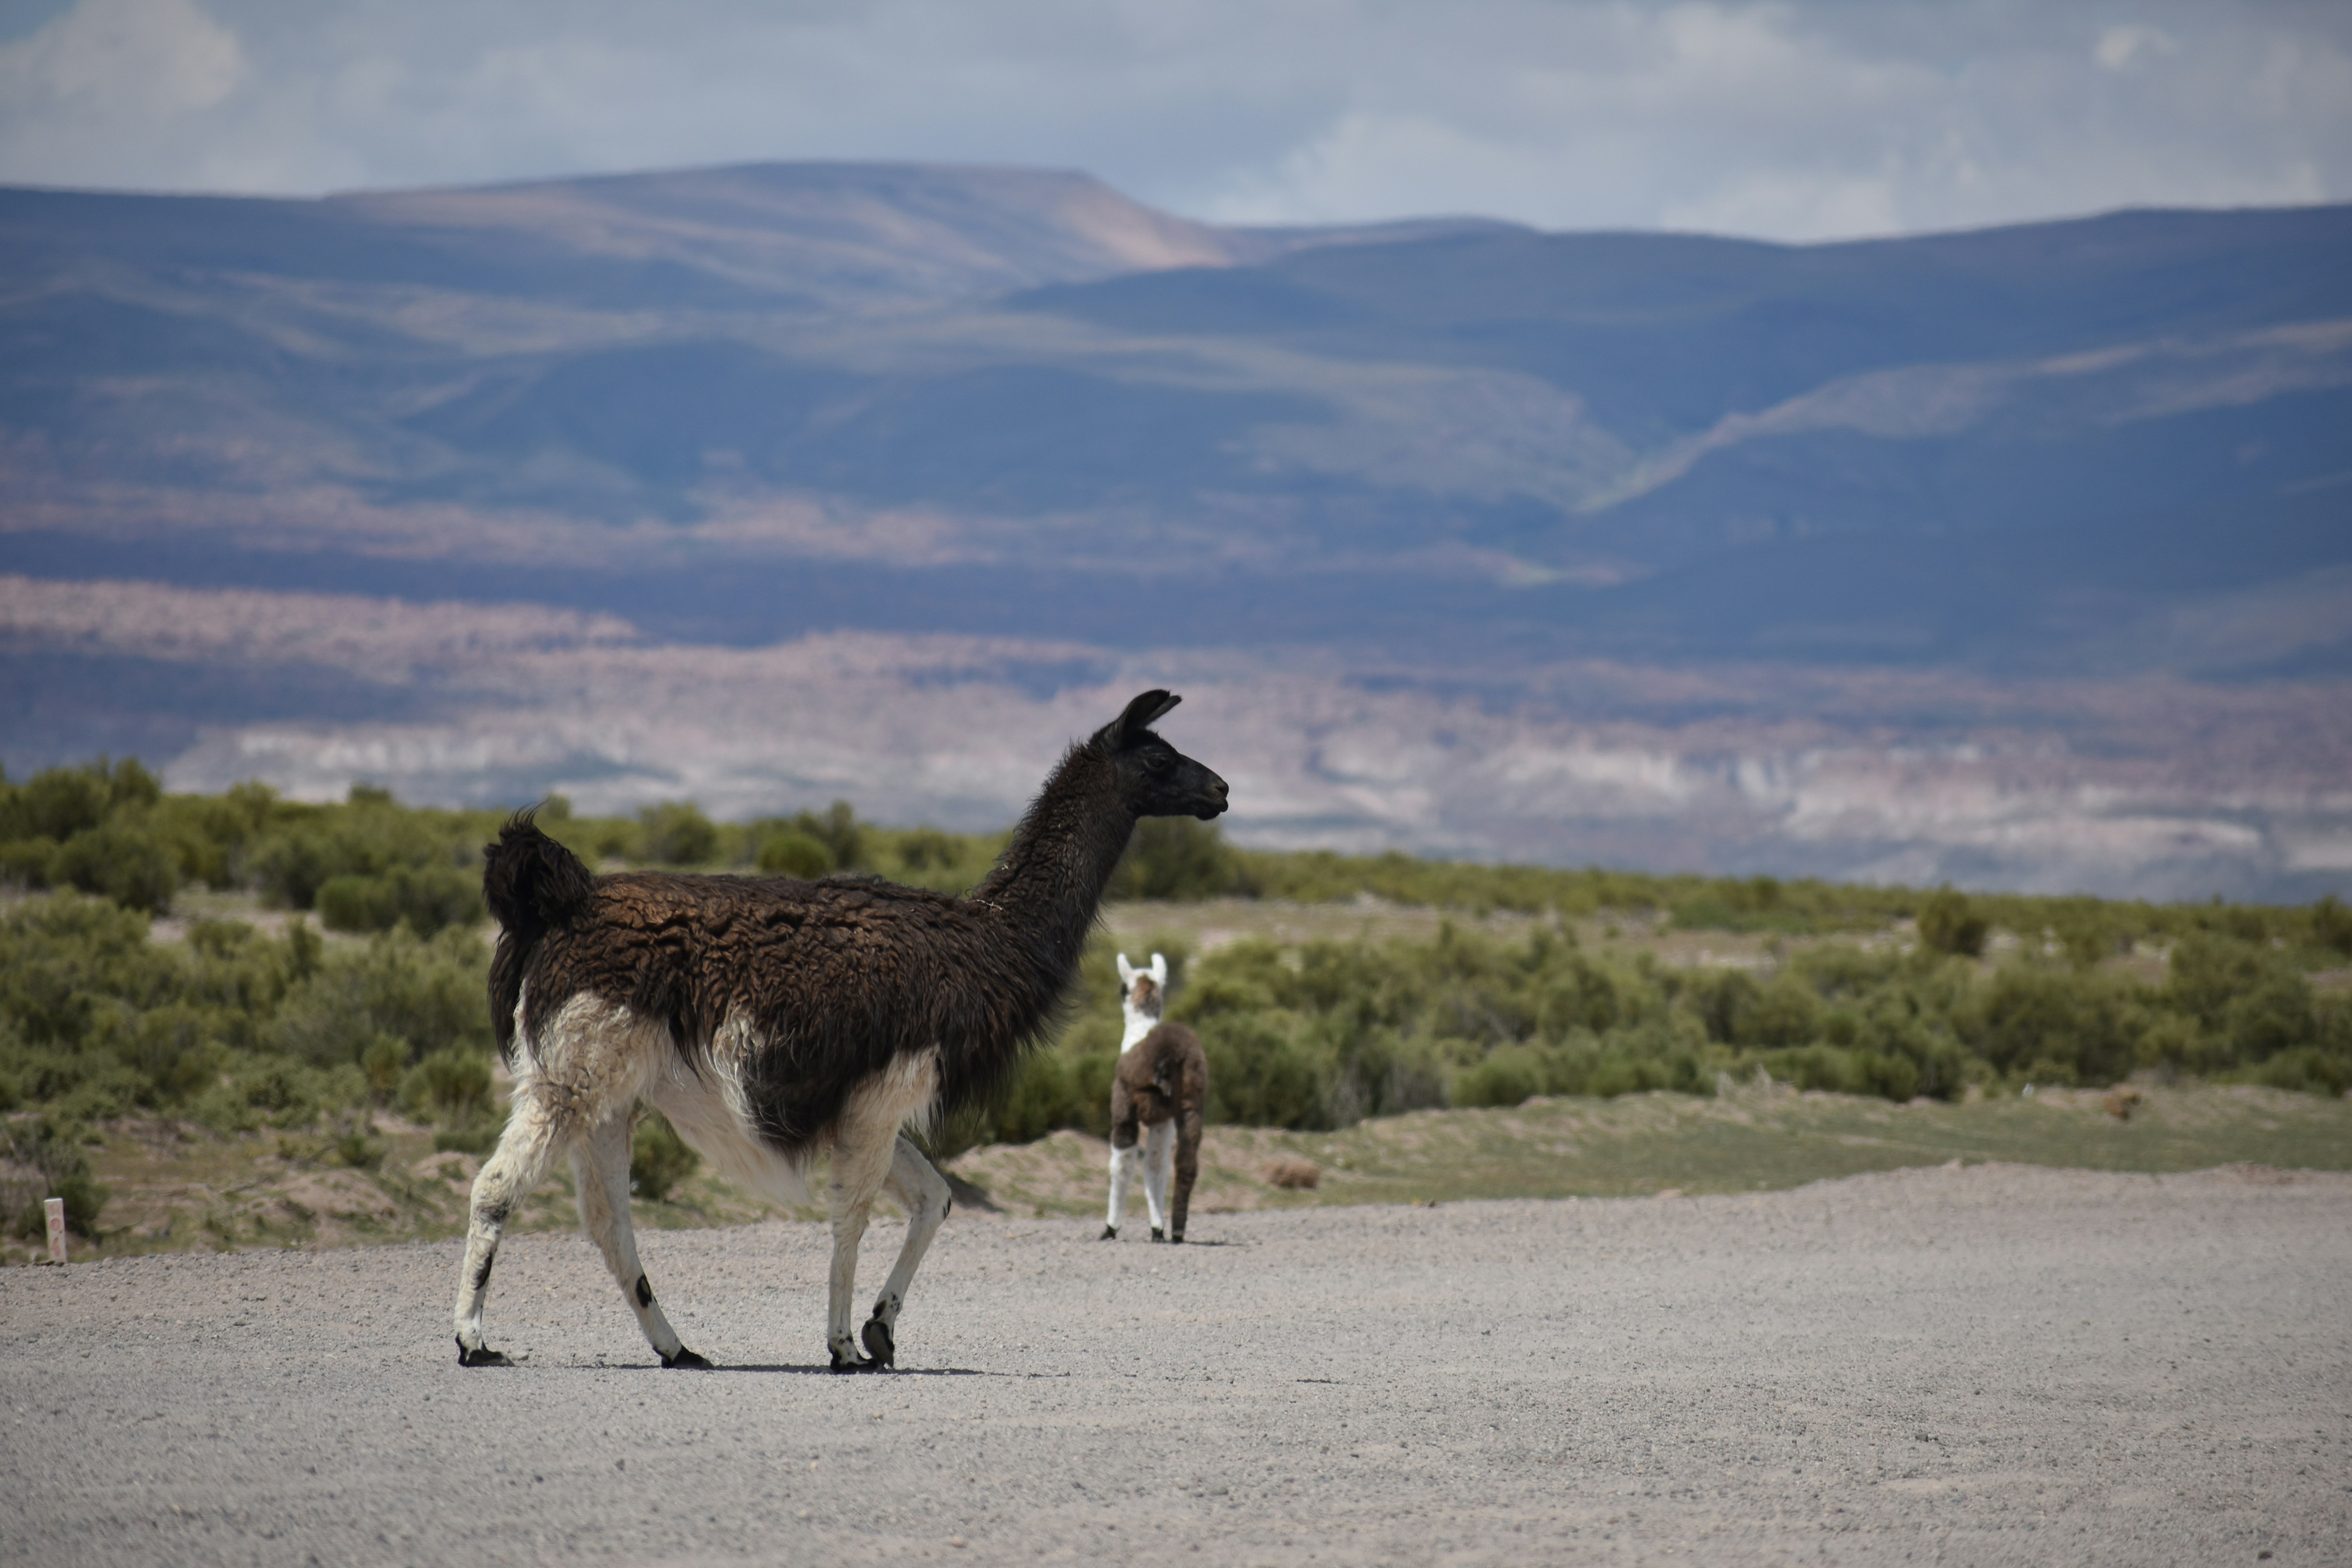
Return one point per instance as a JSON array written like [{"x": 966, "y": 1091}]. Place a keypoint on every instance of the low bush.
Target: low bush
[
  {"x": 676, "y": 833},
  {"x": 1178, "y": 858},
  {"x": 425, "y": 899},
  {"x": 450, "y": 1086},
  {"x": 1948, "y": 923},
  {"x": 52, "y": 1144},
  {"x": 794, "y": 855},
  {"x": 243, "y": 1029}
]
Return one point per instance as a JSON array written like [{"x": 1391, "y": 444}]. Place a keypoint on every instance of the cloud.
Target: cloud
[
  {"x": 2128, "y": 47},
  {"x": 1800, "y": 120}
]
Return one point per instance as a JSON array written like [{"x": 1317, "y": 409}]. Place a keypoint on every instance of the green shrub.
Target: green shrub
[
  {"x": 2066, "y": 1026},
  {"x": 1786, "y": 1012},
  {"x": 2307, "y": 1068},
  {"x": 123, "y": 860},
  {"x": 427, "y": 899},
  {"x": 2273, "y": 1015},
  {"x": 924, "y": 850},
  {"x": 429, "y": 993},
  {"x": 1947, "y": 923},
  {"x": 1837, "y": 1070},
  {"x": 1510, "y": 1075},
  {"x": 1043, "y": 1096},
  {"x": 275, "y": 1091},
  {"x": 25, "y": 862},
  {"x": 384, "y": 1063},
  {"x": 53, "y": 1145},
  {"x": 2331, "y": 926},
  {"x": 1178, "y": 859},
  {"x": 174, "y": 1050},
  {"x": 450, "y": 1086},
  {"x": 658, "y": 1158},
  {"x": 794, "y": 855},
  {"x": 838, "y": 829},
  {"x": 1259, "y": 1074},
  {"x": 58, "y": 802},
  {"x": 676, "y": 833}
]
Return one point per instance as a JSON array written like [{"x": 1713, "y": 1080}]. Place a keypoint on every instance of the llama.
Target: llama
[
  {"x": 1160, "y": 1085},
  {"x": 774, "y": 1020}
]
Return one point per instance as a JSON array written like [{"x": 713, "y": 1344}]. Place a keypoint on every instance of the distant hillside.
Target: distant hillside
[{"x": 1432, "y": 466}]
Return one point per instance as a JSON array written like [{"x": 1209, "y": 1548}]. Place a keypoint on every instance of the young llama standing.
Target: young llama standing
[
  {"x": 1160, "y": 1089},
  {"x": 774, "y": 1020}
]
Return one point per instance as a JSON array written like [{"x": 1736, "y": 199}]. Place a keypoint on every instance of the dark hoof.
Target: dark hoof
[
  {"x": 1158, "y": 1234},
  {"x": 686, "y": 1358},
  {"x": 879, "y": 1342},
  {"x": 1178, "y": 1238},
  {"x": 1110, "y": 1233},
  {"x": 851, "y": 1363},
  {"x": 481, "y": 1356}
]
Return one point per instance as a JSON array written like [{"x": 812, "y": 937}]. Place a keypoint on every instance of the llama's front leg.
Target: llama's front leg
[
  {"x": 600, "y": 1166},
  {"x": 915, "y": 1182},
  {"x": 507, "y": 1178},
  {"x": 857, "y": 1176},
  {"x": 1159, "y": 1150}
]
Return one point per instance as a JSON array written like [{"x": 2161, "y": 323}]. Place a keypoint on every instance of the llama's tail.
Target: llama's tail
[{"x": 533, "y": 885}]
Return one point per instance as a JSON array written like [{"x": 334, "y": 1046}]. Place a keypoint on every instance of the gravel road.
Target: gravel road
[{"x": 1996, "y": 1365}]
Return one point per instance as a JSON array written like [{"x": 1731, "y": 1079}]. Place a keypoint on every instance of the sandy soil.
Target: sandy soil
[{"x": 1983, "y": 1365}]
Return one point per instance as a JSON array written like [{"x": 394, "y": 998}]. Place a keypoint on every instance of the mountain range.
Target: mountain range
[{"x": 2061, "y": 505}]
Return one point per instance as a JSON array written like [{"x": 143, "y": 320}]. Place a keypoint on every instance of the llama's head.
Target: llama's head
[
  {"x": 1155, "y": 778},
  {"x": 1144, "y": 992}
]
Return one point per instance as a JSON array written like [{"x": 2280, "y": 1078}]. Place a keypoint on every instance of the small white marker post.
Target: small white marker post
[{"x": 54, "y": 1208}]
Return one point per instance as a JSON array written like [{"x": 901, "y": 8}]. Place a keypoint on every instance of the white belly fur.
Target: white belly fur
[{"x": 711, "y": 1112}]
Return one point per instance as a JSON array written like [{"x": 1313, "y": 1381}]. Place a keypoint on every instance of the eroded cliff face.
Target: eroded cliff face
[{"x": 2153, "y": 785}]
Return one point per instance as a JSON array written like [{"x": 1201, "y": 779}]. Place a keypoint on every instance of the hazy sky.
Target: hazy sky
[{"x": 1812, "y": 120}]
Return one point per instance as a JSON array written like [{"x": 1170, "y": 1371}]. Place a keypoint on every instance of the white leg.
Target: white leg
[
  {"x": 1122, "y": 1172},
  {"x": 914, "y": 1182},
  {"x": 594, "y": 1058},
  {"x": 600, "y": 1166},
  {"x": 525, "y": 1150},
  {"x": 1159, "y": 1162},
  {"x": 858, "y": 1171}
]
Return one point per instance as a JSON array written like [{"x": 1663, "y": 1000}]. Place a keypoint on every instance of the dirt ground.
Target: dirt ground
[{"x": 1986, "y": 1364}]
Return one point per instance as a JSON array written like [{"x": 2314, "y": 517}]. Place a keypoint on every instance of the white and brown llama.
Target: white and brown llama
[
  {"x": 1159, "y": 1095},
  {"x": 774, "y": 1021}
]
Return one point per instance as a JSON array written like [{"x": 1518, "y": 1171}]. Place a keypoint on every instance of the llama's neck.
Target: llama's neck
[
  {"x": 1138, "y": 1024},
  {"x": 1049, "y": 883}
]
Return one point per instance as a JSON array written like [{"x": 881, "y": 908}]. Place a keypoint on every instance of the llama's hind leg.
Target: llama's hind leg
[
  {"x": 1122, "y": 1172},
  {"x": 915, "y": 1182},
  {"x": 1123, "y": 1120},
  {"x": 525, "y": 1150},
  {"x": 1188, "y": 1167},
  {"x": 600, "y": 1165},
  {"x": 858, "y": 1170},
  {"x": 1159, "y": 1155}
]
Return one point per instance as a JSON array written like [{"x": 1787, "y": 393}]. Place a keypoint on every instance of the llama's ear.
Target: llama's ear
[
  {"x": 1126, "y": 973},
  {"x": 1143, "y": 712},
  {"x": 1159, "y": 970}
]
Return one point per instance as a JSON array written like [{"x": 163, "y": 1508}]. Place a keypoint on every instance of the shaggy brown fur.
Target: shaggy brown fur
[
  {"x": 774, "y": 1019},
  {"x": 1164, "y": 1077}
]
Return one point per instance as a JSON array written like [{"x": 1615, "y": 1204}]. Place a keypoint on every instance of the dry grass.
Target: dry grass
[
  {"x": 1647, "y": 1144},
  {"x": 176, "y": 1187}
]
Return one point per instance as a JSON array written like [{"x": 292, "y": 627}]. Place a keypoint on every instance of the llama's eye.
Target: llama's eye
[{"x": 1159, "y": 762}]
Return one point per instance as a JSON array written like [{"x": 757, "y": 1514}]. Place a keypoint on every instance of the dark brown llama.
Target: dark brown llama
[
  {"x": 1159, "y": 1092},
  {"x": 774, "y": 1020}
]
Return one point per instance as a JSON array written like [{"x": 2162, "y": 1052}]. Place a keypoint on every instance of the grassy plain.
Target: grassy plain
[
  {"x": 178, "y": 1187},
  {"x": 1748, "y": 1140}
]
